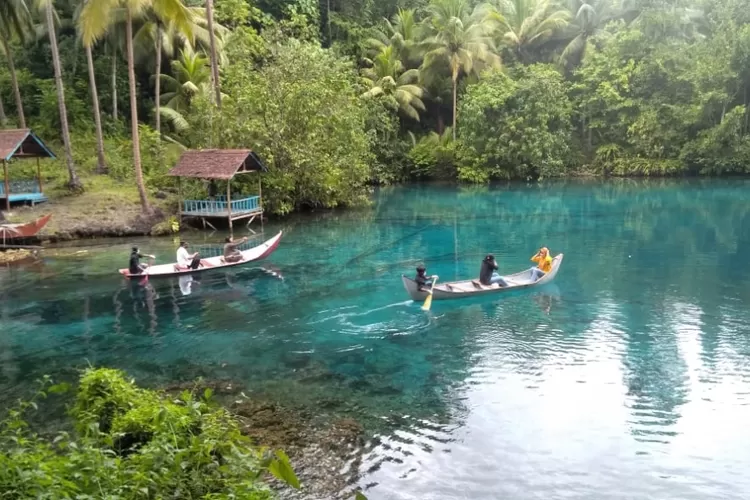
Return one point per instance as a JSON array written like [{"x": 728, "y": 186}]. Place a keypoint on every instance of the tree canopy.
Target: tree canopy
[{"x": 340, "y": 94}]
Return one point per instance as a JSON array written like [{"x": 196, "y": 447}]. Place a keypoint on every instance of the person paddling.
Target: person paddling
[
  {"x": 424, "y": 282},
  {"x": 135, "y": 266}
]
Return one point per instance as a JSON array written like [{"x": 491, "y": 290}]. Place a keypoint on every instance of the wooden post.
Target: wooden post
[
  {"x": 179, "y": 200},
  {"x": 7, "y": 186},
  {"x": 260, "y": 194},
  {"x": 39, "y": 176},
  {"x": 229, "y": 204}
]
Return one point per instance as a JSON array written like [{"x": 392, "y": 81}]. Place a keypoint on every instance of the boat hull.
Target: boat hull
[
  {"x": 466, "y": 288},
  {"x": 27, "y": 230},
  {"x": 250, "y": 255}
]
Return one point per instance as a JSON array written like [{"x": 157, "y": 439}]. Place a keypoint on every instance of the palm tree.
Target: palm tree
[
  {"x": 3, "y": 117},
  {"x": 590, "y": 16},
  {"x": 528, "y": 24},
  {"x": 213, "y": 53},
  {"x": 101, "y": 162},
  {"x": 47, "y": 6},
  {"x": 387, "y": 77},
  {"x": 459, "y": 39},
  {"x": 192, "y": 76},
  {"x": 14, "y": 19},
  {"x": 402, "y": 33},
  {"x": 95, "y": 19},
  {"x": 161, "y": 37}
]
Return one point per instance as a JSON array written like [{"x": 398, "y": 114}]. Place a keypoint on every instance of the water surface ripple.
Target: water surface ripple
[{"x": 627, "y": 378}]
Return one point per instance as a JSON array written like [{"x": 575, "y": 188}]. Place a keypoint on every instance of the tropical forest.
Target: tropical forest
[{"x": 338, "y": 96}]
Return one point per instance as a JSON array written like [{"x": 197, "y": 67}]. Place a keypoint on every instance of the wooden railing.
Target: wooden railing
[{"x": 220, "y": 206}]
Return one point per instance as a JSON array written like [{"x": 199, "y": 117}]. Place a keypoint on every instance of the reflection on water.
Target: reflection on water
[{"x": 625, "y": 378}]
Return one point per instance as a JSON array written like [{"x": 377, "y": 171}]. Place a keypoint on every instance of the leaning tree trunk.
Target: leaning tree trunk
[
  {"x": 212, "y": 42},
  {"x": 101, "y": 164},
  {"x": 14, "y": 83},
  {"x": 74, "y": 182},
  {"x": 145, "y": 206},
  {"x": 3, "y": 117},
  {"x": 158, "y": 80},
  {"x": 114, "y": 83}
]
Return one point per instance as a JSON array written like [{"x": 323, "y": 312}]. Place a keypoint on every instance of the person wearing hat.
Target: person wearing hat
[
  {"x": 187, "y": 260},
  {"x": 488, "y": 272},
  {"x": 424, "y": 282},
  {"x": 135, "y": 266}
]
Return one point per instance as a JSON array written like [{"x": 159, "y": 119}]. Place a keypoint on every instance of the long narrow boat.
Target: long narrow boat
[
  {"x": 471, "y": 288},
  {"x": 250, "y": 255},
  {"x": 27, "y": 230}
]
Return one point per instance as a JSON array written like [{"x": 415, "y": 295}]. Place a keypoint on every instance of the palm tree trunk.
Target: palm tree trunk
[
  {"x": 145, "y": 206},
  {"x": 3, "y": 117},
  {"x": 114, "y": 83},
  {"x": 74, "y": 183},
  {"x": 101, "y": 164},
  {"x": 212, "y": 41},
  {"x": 158, "y": 79},
  {"x": 14, "y": 83},
  {"x": 455, "y": 84}
]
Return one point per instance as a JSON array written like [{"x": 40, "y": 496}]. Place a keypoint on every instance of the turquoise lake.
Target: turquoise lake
[{"x": 627, "y": 377}]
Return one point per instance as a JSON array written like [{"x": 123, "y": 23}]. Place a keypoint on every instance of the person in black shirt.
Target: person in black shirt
[
  {"x": 135, "y": 266},
  {"x": 424, "y": 282},
  {"x": 487, "y": 274}
]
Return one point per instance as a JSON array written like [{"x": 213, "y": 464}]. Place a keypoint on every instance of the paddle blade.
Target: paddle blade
[{"x": 427, "y": 303}]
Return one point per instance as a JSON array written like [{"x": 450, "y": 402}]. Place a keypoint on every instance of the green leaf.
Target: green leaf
[
  {"x": 207, "y": 394},
  {"x": 360, "y": 496},
  {"x": 60, "y": 388},
  {"x": 282, "y": 470}
]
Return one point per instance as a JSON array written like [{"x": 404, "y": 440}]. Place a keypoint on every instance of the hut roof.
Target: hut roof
[
  {"x": 217, "y": 163},
  {"x": 22, "y": 143}
]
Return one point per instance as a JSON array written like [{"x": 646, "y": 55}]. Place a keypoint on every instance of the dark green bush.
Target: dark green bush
[{"x": 135, "y": 443}]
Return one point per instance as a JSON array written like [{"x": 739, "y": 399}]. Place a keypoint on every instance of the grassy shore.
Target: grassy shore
[{"x": 107, "y": 207}]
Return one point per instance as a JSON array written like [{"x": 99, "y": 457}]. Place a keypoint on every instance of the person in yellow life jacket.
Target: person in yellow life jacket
[{"x": 543, "y": 263}]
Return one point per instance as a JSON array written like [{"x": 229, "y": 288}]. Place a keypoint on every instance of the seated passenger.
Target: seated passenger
[
  {"x": 544, "y": 263},
  {"x": 487, "y": 273},
  {"x": 231, "y": 253},
  {"x": 187, "y": 260}
]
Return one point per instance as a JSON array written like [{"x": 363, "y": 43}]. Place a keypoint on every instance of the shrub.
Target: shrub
[{"x": 135, "y": 443}]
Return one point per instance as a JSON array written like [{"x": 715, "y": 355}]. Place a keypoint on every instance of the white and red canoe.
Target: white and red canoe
[{"x": 250, "y": 255}]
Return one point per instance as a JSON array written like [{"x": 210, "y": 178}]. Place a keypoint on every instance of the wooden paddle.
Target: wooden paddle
[{"x": 428, "y": 301}]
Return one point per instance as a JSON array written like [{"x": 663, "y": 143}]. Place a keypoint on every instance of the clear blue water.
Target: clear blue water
[{"x": 628, "y": 377}]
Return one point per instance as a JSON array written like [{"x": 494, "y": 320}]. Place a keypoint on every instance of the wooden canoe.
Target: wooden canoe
[
  {"x": 27, "y": 230},
  {"x": 250, "y": 255},
  {"x": 468, "y": 288}
]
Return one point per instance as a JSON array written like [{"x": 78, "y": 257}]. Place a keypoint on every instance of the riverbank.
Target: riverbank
[
  {"x": 325, "y": 454},
  {"x": 106, "y": 208}
]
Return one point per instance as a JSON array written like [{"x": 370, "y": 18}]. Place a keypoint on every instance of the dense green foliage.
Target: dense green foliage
[
  {"x": 134, "y": 443},
  {"x": 516, "y": 125},
  {"x": 341, "y": 94}
]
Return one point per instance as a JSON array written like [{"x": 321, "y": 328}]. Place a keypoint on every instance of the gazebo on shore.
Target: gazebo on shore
[
  {"x": 221, "y": 165},
  {"x": 22, "y": 144}
]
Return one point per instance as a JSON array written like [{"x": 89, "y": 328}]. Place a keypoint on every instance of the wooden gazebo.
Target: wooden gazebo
[
  {"x": 22, "y": 144},
  {"x": 221, "y": 165}
]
